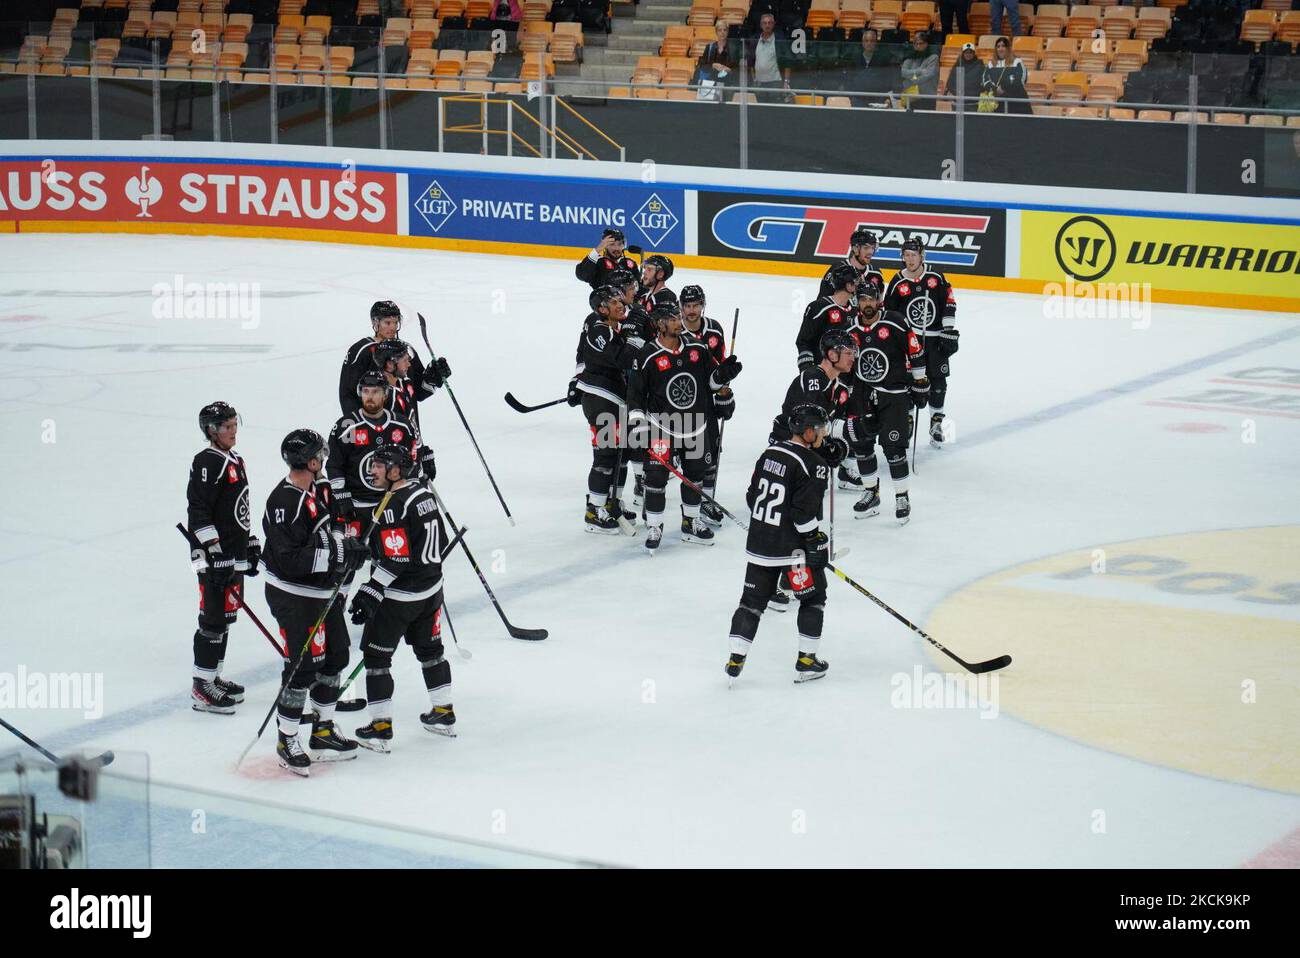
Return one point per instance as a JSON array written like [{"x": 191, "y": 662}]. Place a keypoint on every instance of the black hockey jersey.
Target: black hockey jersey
[
  {"x": 217, "y": 502},
  {"x": 360, "y": 357},
  {"x": 407, "y": 543},
  {"x": 927, "y": 302},
  {"x": 604, "y": 359},
  {"x": 595, "y": 270},
  {"x": 785, "y": 502},
  {"x": 403, "y": 402},
  {"x": 866, "y": 274},
  {"x": 811, "y": 387},
  {"x": 711, "y": 335},
  {"x": 353, "y": 441},
  {"x": 675, "y": 389},
  {"x": 648, "y": 301},
  {"x": 298, "y": 540},
  {"x": 821, "y": 314},
  {"x": 886, "y": 353}
]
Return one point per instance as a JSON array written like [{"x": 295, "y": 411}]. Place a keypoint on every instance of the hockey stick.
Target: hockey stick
[
  {"x": 517, "y": 406},
  {"x": 916, "y": 421},
  {"x": 196, "y": 545},
  {"x": 464, "y": 652},
  {"x": 104, "y": 759},
  {"x": 374, "y": 517},
  {"x": 530, "y": 635},
  {"x": 989, "y": 665},
  {"x": 433, "y": 358}
]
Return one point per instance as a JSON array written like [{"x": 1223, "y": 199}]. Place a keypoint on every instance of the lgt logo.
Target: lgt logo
[
  {"x": 654, "y": 219},
  {"x": 435, "y": 205}
]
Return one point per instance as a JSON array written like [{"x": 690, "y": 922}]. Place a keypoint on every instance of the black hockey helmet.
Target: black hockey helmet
[
  {"x": 691, "y": 294},
  {"x": 397, "y": 456},
  {"x": 389, "y": 351},
  {"x": 301, "y": 446},
  {"x": 663, "y": 311},
  {"x": 371, "y": 377},
  {"x": 602, "y": 295},
  {"x": 620, "y": 279},
  {"x": 615, "y": 232},
  {"x": 807, "y": 416},
  {"x": 382, "y": 310},
  {"x": 834, "y": 339},
  {"x": 863, "y": 237},
  {"x": 662, "y": 262},
  {"x": 213, "y": 415},
  {"x": 844, "y": 276},
  {"x": 914, "y": 244}
]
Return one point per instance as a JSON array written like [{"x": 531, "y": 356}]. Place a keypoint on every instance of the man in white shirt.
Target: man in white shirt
[{"x": 765, "y": 61}]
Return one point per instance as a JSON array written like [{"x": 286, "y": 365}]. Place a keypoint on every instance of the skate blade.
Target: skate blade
[
  {"x": 212, "y": 709},
  {"x": 597, "y": 531},
  {"x": 442, "y": 730},
  {"x": 304, "y": 772},
  {"x": 332, "y": 755},
  {"x": 779, "y": 607},
  {"x": 695, "y": 540},
  {"x": 237, "y": 701},
  {"x": 382, "y": 747},
  {"x": 801, "y": 677},
  {"x": 903, "y": 520},
  {"x": 936, "y": 444},
  {"x": 874, "y": 511},
  {"x": 627, "y": 526}
]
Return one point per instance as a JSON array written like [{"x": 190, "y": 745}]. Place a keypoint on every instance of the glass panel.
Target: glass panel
[
  {"x": 63, "y": 108},
  {"x": 125, "y": 108},
  {"x": 356, "y": 117},
  {"x": 13, "y": 107},
  {"x": 187, "y": 109},
  {"x": 301, "y": 114},
  {"x": 246, "y": 112}
]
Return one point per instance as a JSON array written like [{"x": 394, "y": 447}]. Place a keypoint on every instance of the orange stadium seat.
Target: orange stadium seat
[{"x": 1152, "y": 22}]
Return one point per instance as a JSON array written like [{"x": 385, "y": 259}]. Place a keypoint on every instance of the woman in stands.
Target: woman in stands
[
  {"x": 1005, "y": 79},
  {"x": 968, "y": 65}
]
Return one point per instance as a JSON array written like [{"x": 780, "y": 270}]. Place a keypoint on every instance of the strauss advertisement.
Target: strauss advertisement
[{"x": 148, "y": 191}]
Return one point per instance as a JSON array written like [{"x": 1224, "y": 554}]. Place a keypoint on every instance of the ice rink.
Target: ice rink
[{"x": 1118, "y": 510}]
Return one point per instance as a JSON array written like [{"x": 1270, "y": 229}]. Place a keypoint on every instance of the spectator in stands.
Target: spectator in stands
[
  {"x": 718, "y": 61},
  {"x": 1005, "y": 79},
  {"x": 995, "y": 15},
  {"x": 971, "y": 68},
  {"x": 508, "y": 10},
  {"x": 950, "y": 8},
  {"x": 769, "y": 60},
  {"x": 867, "y": 70},
  {"x": 920, "y": 74}
]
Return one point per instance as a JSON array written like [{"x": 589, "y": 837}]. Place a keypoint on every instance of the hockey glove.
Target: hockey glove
[
  {"x": 427, "y": 464},
  {"x": 355, "y": 553},
  {"x": 816, "y": 550},
  {"x": 834, "y": 451},
  {"x": 221, "y": 567},
  {"x": 948, "y": 338},
  {"x": 574, "y": 397},
  {"x": 920, "y": 393},
  {"x": 366, "y": 602},
  {"x": 437, "y": 372},
  {"x": 727, "y": 370},
  {"x": 254, "y": 555}
]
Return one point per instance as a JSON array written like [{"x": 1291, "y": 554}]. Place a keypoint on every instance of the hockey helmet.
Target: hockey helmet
[
  {"x": 213, "y": 415},
  {"x": 301, "y": 446}
]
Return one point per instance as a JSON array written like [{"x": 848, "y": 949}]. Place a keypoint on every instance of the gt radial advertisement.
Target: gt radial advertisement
[
  {"x": 546, "y": 212},
  {"x": 960, "y": 239},
  {"x": 1189, "y": 255},
  {"x": 149, "y": 191}
]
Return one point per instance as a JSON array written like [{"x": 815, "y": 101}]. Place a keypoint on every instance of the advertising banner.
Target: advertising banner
[
  {"x": 529, "y": 211},
  {"x": 961, "y": 239},
  {"x": 199, "y": 192}
]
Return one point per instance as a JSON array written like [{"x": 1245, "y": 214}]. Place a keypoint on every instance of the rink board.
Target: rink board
[{"x": 1174, "y": 248}]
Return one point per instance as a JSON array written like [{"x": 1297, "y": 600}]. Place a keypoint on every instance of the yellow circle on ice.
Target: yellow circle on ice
[{"x": 1182, "y": 650}]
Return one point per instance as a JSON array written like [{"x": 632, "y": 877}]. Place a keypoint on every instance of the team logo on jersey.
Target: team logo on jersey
[
  {"x": 311, "y": 507},
  {"x": 232, "y": 474},
  {"x": 799, "y": 578},
  {"x": 242, "y": 513},
  {"x": 920, "y": 312},
  {"x": 394, "y": 542},
  {"x": 397, "y": 435},
  {"x": 318, "y": 641},
  {"x": 681, "y": 391},
  {"x": 695, "y": 355},
  {"x": 932, "y": 282},
  {"x": 835, "y": 316},
  {"x": 361, "y": 437},
  {"x": 913, "y": 344},
  {"x": 883, "y": 332},
  {"x": 872, "y": 365},
  {"x": 365, "y": 473},
  {"x": 660, "y": 448},
  {"x": 713, "y": 342},
  {"x": 663, "y": 363},
  {"x": 904, "y": 289}
]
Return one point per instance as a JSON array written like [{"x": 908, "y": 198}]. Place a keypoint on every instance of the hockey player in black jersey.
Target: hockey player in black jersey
[
  {"x": 826, "y": 384},
  {"x": 708, "y": 331},
  {"x": 386, "y": 321},
  {"x": 604, "y": 358},
  {"x": 925, "y": 297},
  {"x": 671, "y": 414},
  {"x": 655, "y": 273},
  {"x": 217, "y": 514},
  {"x": 862, "y": 248},
  {"x": 403, "y": 598},
  {"x": 595, "y": 268},
  {"x": 884, "y": 373},
  {"x": 305, "y": 557},
  {"x": 393, "y": 358},
  {"x": 785, "y": 541},
  {"x": 352, "y": 445}
]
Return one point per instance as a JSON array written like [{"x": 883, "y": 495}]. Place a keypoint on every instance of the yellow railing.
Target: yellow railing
[{"x": 562, "y": 138}]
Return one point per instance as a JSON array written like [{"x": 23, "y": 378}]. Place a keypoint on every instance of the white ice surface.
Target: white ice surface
[{"x": 559, "y": 751}]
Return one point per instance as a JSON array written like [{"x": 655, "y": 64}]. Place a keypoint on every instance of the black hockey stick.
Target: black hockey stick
[
  {"x": 916, "y": 421},
  {"x": 517, "y": 406},
  {"x": 101, "y": 760},
  {"x": 530, "y": 635},
  {"x": 197, "y": 546},
  {"x": 297, "y": 661},
  {"x": 433, "y": 358},
  {"x": 989, "y": 665},
  {"x": 735, "y": 324}
]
